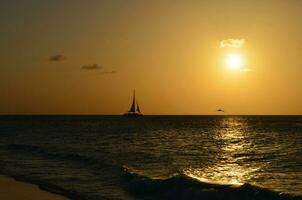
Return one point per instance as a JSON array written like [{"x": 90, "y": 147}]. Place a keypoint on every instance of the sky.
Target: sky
[{"x": 182, "y": 57}]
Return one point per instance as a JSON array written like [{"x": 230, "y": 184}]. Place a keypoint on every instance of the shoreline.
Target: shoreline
[{"x": 13, "y": 189}]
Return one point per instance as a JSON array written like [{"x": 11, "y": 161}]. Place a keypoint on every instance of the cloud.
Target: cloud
[
  {"x": 92, "y": 67},
  {"x": 95, "y": 67},
  {"x": 57, "y": 58},
  {"x": 232, "y": 43}
]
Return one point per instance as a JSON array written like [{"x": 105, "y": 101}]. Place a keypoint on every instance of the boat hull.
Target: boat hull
[{"x": 134, "y": 114}]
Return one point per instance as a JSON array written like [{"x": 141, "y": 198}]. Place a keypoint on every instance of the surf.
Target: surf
[{"x": 183, "y": 187}]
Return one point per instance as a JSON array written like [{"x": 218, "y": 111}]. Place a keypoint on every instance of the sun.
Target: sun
[{"x": 234, "y": 62}]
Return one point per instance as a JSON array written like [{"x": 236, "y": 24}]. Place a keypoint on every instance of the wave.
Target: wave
[
  {"x": 177, "y": 187},
  {"x": 73, "y": 157},
  {"x": 183, "y": 187}
]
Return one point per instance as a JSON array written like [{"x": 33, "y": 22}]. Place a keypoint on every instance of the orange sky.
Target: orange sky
[{"x": 86, "y": 57}]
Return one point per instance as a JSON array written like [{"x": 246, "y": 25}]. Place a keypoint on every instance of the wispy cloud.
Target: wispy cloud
[
  {"x": 57, "y": 58},
  {"x": 101, "y": 69},
  {"x": 92, "y": 67},
  {"x": 232, "y": 43}
]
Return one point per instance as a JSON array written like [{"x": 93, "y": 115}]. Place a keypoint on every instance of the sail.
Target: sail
[
  {"x": 137, "y": 108},
  {"x": 132, "y": 109}
]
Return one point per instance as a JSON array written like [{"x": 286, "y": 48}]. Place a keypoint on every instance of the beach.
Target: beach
[{"x": 10, "y": 189}]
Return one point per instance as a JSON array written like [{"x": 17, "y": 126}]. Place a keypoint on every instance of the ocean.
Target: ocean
[{"x": 156, "y": 157}]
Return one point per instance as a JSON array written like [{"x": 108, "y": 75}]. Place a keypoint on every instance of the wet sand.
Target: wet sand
[{"x": 10, "y": 189}]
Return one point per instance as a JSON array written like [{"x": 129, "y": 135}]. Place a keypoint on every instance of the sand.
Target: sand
[{"x": 10, "y": 189}]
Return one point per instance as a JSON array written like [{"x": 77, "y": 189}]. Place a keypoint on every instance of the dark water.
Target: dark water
[{"x": 156, "y": 157}]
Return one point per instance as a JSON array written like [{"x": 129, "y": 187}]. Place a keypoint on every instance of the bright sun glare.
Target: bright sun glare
[{"x": 234, "y": 61}]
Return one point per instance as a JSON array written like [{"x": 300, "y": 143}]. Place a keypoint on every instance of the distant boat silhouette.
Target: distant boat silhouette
[
  {"x": 134, "y": 109},
  {"x": 220, "y": 110}
]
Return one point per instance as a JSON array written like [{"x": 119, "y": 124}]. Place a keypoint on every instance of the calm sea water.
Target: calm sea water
[{"x": 156, "y": 157}]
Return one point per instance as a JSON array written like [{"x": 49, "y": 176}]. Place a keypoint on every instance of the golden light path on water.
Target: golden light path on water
[{"x": 228, "y": 168}]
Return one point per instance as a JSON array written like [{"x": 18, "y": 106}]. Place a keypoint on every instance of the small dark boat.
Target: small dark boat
[{"x": 134, "y": 109}]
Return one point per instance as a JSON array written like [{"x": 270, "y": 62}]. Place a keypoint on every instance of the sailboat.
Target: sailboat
[{"x": 134, "y": 109}]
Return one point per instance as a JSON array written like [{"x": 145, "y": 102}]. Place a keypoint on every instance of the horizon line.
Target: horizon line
[{"x": 94, "y": 114}]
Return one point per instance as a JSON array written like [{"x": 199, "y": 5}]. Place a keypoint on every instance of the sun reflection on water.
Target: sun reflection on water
[{"x": 227, "y": 168}]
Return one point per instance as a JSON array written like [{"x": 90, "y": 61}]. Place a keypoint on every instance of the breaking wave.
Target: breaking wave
[{"x": 183, "y": 187}]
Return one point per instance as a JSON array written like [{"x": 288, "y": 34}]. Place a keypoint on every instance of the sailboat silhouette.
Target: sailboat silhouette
[{"x": 134, "y": 109}]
